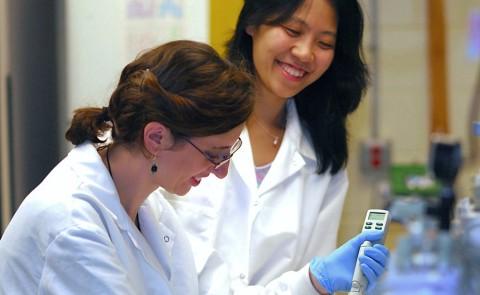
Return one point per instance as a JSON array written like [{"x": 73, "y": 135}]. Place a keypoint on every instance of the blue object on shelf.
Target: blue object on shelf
[{"x": 476, "y": 128}]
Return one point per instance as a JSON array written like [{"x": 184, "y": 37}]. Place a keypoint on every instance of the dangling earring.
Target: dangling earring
[{"x": 154, "y": 167}]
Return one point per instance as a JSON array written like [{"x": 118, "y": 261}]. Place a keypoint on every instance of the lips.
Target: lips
[
  {"x": 291, "y": 71},
  {"x": 195, "y": 181}
]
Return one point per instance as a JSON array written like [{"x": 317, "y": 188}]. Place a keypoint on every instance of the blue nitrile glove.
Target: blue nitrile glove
[{"x": 335, "y": 272}]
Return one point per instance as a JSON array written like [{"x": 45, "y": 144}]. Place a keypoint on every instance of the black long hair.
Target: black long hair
[{"x": 324, "y": 105}]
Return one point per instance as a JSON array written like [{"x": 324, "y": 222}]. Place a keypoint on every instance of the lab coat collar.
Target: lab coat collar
[
  {"x": 95, "y": 177},
  {"x": 295, "y": 150},
  {"x": 89, "y": 167},
  {"x": 296, "y": 134},
  {"x": 243, "y": 162}
]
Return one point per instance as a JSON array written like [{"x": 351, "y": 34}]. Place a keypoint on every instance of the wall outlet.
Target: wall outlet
[{"x": 375, "y": 157}]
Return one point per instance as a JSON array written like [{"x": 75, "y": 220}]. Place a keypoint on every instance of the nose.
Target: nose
[
  {"x": 303, "y": 50},
  {"x": 221, "y": 171}
]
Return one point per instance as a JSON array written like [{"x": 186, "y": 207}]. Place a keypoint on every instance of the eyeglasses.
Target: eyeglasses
[{"x": 218, "y": 161}]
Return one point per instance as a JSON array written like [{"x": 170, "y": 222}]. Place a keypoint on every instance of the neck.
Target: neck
[
  {"x": 131, "y": 177},
  {"x": 266, "y": 127},
  {"x": 270, "y": 110}
]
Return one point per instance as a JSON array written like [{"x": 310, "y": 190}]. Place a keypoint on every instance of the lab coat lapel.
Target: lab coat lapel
[
  {"x": 160, "y": 237},
  {"x": 242, "y": 161}
]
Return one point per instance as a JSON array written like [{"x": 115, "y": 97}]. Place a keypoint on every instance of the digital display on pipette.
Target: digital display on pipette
[{"x": 376, "y": 216}]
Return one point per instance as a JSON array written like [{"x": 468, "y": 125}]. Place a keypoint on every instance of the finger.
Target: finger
[
  {"x": 377, "y": 254},
  {"x": 369, "y": 274},
  {"x": 375, "y": 266},
  {"x": 382, "y": 248},
  {"x": 372, "y": 236}
]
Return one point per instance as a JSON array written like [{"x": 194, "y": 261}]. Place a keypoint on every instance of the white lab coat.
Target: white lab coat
[
  {"x": 71, "y": 235},
  {"x": 261, "y": 239}
]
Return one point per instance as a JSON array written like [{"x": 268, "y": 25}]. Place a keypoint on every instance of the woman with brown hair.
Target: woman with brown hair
[{"x": 89, "y": 227}]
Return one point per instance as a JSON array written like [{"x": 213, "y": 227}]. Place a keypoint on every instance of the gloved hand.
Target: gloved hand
[{"x": 335, "y": 272}]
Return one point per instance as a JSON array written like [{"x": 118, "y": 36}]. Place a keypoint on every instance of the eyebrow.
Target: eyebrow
[{"x": 303, "y": 23}]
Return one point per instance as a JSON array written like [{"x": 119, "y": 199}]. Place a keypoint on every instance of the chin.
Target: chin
[
  {"x": 182, "y": 191},
  {"x": 176, "y": 191},
  {"x": 287, "y": 92}
]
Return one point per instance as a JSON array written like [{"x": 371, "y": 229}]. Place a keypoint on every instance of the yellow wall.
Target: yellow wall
[{"x": 223, "y": 17}]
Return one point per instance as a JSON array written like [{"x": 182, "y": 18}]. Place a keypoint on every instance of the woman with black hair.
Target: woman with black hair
[{"x": 280, "y": 204}]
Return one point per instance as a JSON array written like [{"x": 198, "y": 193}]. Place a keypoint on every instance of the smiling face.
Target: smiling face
[
  {"x": 184, "y": 166},
  {"x": 290, "y": 56}
]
